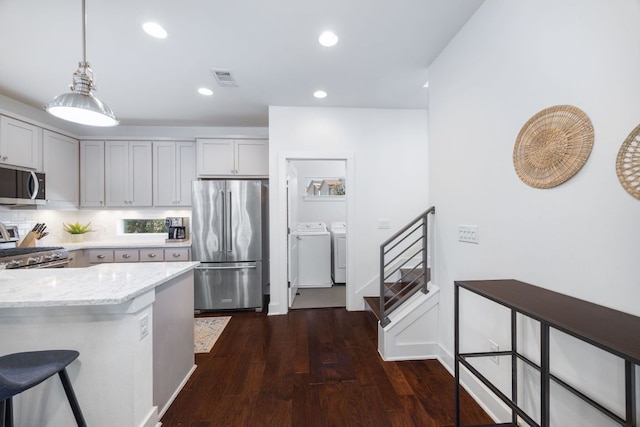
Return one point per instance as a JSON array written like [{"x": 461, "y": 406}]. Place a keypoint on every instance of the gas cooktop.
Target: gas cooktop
[{"x": 43, "y": 257}]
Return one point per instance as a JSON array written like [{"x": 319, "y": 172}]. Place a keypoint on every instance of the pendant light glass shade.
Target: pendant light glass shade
[{"x": 79, "y": 105}]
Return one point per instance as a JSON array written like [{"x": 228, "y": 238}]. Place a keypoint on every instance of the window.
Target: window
[
  {"x": 325, "y": 187},
  {"x": 143, "y": 226}
]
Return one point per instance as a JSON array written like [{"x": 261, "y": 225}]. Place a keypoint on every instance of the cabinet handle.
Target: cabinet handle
[
  {"x": 100, "y": 257},
  {"x": 151, "y": 255},
  {"x": 176, "y": 255},
  {"x": 126, "y": 256},
  {"x": 101, "y": 202}
]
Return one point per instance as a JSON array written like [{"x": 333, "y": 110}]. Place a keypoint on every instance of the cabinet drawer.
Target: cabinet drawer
[
  {"x": 181, "y": 254},
  {"x": 151, "y": 255},
  {"x": 99, "y": 255},
  {"x": 126, "y": 255}
]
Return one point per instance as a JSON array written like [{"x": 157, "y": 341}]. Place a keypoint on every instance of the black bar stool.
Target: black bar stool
[{"x": 21, "y": 371}]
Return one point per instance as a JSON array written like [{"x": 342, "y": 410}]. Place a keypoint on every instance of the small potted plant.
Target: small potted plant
[{"x": 77, "y": 230}]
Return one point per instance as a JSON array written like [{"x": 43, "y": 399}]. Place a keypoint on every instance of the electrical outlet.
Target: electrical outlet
[
  {"x": 493, "y": 347},
  {"x": 144, "y": 326},
  {"x": 384, "y": 223},
  {"x": 468, "y": 234}
]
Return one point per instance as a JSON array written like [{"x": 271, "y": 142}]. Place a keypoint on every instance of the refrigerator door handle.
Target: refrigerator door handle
[
  {"x": 223, "y": 222},
  {"x": 230, "y": 227},
  {"x": 240, "y": 267}
]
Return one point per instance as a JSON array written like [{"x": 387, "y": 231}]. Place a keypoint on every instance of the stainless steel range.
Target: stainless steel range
[
  {"x": 13, "y": 257},
  {"x": 54, "y": 257}
]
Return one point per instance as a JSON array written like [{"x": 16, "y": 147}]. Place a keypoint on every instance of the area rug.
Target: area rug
[{"x": 207, "y": 330}]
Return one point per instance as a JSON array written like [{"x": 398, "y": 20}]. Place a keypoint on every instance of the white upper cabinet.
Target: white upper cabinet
[
  {"x": 20, "y": 143},
  {"x": 233, "y": 157},
  {"x": 61, "y": 167},
  {"x": 128, "y": 173},
  {"x": 92, "y": 173},
  {"x": 174, "y": 168}
]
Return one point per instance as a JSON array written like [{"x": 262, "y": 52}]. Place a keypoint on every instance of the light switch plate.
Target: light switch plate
[{"x": 468, "y": 234}]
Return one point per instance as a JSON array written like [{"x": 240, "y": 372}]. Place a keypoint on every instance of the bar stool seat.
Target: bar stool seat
[{"x": 21, "y": 371}]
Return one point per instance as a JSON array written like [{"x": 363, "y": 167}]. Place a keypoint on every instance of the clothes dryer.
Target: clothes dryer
[{"x": 338, "y": 232}]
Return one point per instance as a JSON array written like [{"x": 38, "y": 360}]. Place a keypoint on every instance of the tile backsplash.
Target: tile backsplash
[{"x": 106, "y": 223}]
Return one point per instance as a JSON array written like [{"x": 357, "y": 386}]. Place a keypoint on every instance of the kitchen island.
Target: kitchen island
[{"x": 131, "y": 323}]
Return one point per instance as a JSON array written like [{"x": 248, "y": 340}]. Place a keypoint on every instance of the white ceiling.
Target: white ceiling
[{"x": 272, "y": 48}]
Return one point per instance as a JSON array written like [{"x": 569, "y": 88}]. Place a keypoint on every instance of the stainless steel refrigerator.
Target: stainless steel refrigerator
[{"x": 228, "y": 238}]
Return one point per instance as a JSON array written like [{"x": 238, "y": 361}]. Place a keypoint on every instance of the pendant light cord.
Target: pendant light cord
[{"x": 84, "y": 32}]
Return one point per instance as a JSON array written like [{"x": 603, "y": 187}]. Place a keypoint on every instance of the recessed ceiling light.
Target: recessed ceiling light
[
  {"x": 328, "y": 39},
  {"x": 205, "y": 91},
  {"x": 320, "y": 94},
  {"x": 154, "y": 30}
]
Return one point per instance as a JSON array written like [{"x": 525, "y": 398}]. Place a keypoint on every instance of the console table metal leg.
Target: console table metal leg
[
  {"x": 630, "y": 392},
  {"x": 545, "y": 381},
  {"x": 456, "y": 344},
  {"x": 514, "y": 365}
]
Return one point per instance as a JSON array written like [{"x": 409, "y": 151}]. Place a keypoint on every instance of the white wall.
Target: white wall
[
  {"x": 319, "y": 209},
  {"x": 389, "y": 163},
  {"x": 512, "y": 59}
]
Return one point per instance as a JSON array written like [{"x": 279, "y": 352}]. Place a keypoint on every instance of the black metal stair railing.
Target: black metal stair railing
[{"x": 403, "y": 265}]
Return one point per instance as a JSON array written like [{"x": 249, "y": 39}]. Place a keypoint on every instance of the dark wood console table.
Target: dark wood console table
[{"x": 610, "y": 330}]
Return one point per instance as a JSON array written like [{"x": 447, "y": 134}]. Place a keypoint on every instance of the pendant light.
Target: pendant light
[{"x": 80, "y": 105}]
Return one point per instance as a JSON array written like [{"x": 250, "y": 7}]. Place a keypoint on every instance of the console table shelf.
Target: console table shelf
[{"x": 610, "y": 330}]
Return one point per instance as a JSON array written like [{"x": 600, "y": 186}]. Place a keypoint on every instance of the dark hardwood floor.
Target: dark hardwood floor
[{"x": 317, "y": 367}]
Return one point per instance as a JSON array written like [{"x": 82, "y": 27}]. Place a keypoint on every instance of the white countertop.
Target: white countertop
[{"x": 102, "y": 284}]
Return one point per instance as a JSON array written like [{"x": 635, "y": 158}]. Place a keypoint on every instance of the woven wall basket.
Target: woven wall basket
[
  {"x": 628, "y": 163},
  {"x": 553, "y": 146}
]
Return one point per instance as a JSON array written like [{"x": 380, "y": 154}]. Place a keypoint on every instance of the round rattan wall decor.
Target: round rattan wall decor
[
  {"x": 553, "y": 146},
  {"x": 628, "y": 163}
]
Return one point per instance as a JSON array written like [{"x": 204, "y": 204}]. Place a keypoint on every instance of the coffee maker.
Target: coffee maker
[{"x": 176, "y": 228}]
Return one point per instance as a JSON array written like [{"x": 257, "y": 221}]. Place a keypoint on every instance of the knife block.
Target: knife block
[{"x": 29, "y": 240}]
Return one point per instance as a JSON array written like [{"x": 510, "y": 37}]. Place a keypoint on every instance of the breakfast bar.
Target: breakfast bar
[{"x": 131, "y": 323}]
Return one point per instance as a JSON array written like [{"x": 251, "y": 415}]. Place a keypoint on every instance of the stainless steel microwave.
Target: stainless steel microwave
[{"x": 18, "y": 187}]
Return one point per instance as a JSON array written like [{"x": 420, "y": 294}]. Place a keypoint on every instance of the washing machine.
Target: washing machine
[
  {"x": 314, "y": 255},
  {"x": 338, "y": 232}
]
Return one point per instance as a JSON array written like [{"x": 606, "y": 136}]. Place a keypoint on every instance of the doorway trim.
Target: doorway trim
[{"x": 278, "y": 303}]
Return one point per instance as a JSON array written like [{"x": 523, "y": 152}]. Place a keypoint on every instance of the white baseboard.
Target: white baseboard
[
  {"x": 490, "y": 403},
  {"x": 176, "y": 392},
  {"x": 151, "y": 420}
]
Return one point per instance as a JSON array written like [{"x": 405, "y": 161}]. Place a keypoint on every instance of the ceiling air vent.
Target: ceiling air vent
[{"x": 224, "y": 78}]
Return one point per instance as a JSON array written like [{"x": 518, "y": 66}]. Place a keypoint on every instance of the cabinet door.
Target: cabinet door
[
  {"x": 252, "y": 157},
  {"x": 164, "y": 174},
  {"x": 140, "y": 174},
  {"x": 117, "y": 173},
  {"x": 216, "y": 157},
  {"x": 176, "y": 254},
  {"x": 185, "y": 172},
  {"x": 61, "y": 166},
  {"x": 92, "y": 173},
  {"x": 20, "y": 143}
]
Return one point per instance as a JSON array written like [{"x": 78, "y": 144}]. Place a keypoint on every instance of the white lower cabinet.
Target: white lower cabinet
[
  {"x": 126, "y": 255},
  {"x": 98, "y": 256},
  {"x": 151, "y": 255},
  {"x": 178, "y": 254}
]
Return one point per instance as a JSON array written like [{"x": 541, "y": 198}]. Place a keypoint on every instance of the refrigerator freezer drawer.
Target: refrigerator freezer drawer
[{"x": 228, "y": 286}]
